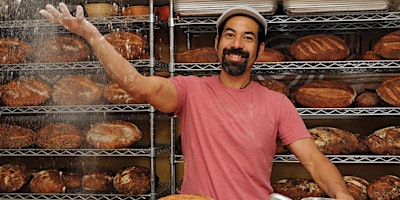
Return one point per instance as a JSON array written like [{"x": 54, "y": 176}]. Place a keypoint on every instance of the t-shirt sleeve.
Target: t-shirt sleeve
[
  {"x": 180, "y": 85},
  {"x": 291, "y": 126}
]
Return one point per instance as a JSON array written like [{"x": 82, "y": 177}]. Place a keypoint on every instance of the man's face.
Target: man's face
[{"x": 237, "y": 47}]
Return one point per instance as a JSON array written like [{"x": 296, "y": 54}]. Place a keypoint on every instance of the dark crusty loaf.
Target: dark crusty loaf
[
  {"x": 59, "y": 136},
  {"x": 114, "y": 94},
  {"x": 330, "y": 140},
  {"x": 389, "y": 46},
  {"x": 270, "y": 55},
  {"x": 199, "y": 55},
  {"x": 76, "y": 90},
  {"x": 113, "y": 134},
  {"x": 385, "y": 141},
  {"x": 319, "y": 47},
  {"x": 14, "y": 50},
  {"x": 72, "y": 179},
  {"x": 63, "y": 48},
  {"x": 16, "y": 137},
  {"x": 368, "y": 99},
  {"x": 47, "y": 181},
  {"x": 133, "y": 180},
  {"x": 384, "y": 187},
  {"x": 371, "y": 55},
  {"x": 325, "y": 94},
  {"x": 389, "y": 91},
  {"x": 275, "y": 85},
  {"x": 357, "y": 187},
  {"x": 130, "y": 45},
  {"x": 298, "y": 188},
  {"x": 13, "y": 177},
  {"x": 97, "y": 180},
  {"x": 25, "y": 91}
]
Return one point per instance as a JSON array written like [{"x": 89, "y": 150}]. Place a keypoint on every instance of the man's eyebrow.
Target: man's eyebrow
[{"x": 248, "y": 32}]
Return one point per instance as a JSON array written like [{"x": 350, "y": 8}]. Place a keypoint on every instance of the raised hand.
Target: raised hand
[{"x": 78, "y": 24}]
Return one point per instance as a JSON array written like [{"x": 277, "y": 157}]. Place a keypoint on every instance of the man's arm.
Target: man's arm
[
  {"x": 157, "y": 91},
  {"x": 325, "y": 174}
]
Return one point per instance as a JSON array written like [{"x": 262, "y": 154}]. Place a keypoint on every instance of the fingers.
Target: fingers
[
  {"x": 64, "y": 10},
  {"x": 79, "y": 12},
  {"x": 48, "y": 16}
]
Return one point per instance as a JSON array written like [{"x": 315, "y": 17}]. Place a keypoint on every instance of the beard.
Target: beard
[{"x": 232, "y": 67}]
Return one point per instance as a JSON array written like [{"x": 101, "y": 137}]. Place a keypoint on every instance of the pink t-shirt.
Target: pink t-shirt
[{"x": 229, "y": 136}]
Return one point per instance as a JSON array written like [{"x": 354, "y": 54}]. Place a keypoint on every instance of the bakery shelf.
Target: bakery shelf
[
  {"x": 304, "y": 67},
  {"x": 4, "y": 110},
  {"x": 161, "y": 190},
  {"x": 358, "y": 159},
  {"x": 137, "y": 151},
  {"x": 348, "y": 112}
]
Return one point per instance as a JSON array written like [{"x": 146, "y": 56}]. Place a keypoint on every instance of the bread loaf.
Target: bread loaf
[
  {"x": 25, "y": 91},
  {"x": 384, "y": 187},
  {"x": 114, "y": 94},
  {"x": 367, "y": 99},
  {"x": 371, "y": 55},
  {"x": 97, "y": 180},
  {"x": 47, "y": 181},
  {"x": 385, "y": 141},
  {"x": 59, "y": 136},
  {"x": 357, "y": 187},
  {"x": 130, "y": 45},
  {"x": 16, "y": 137},
  {"x": 199, "y": 55},
  {"x": 389, "y": 91},
  {"x": 330, "y": 140},
  {"x": 389, "y": 46},
  {"x": 133, "y": 180},
  {"x": 297, "y": 188},
  {"x": 270, "y": 55},
  {"x": 319, "y": 47},
  {"x": 325, "y": 94},
  {"x": 113, "y": 134},
  {"x": 76, "y": 90},
  {"x": 63, "y": 48},
  {"x": 72, "y": 179},
  {"x": 14, "y": 50},
  {"x": 13, "y": 177},
  {"x": 275, "y": 85}
]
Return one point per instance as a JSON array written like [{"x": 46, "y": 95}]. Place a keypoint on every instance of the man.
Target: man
[{"x": 229, "y": 123}]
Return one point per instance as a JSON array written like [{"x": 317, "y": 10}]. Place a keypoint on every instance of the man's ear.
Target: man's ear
[
  {"x": 262, "y": 48},
  {"x": 216, "y": 43}
]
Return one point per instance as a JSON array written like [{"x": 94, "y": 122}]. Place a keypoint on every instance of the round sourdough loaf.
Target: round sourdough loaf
[
  {"x": 389, "y": 91},
  {"x": 389, "y": 46},
  {"x": 367, "y": 99},
  {"x": 113, "y": 134},
  {"x": 325, "y": 94},
  {"x": 97, "y": 180},
  {"x": 13, "y": 177},
  {"x": 47, "y": 181},
  {"x": 384, "y": 141},
  {"x": 25, "y": 91},
  {"x": 297, "y": 188},
  {"x": 275, "y": 85},
  {"x": 357, "y": 187},
  {"x": 114, "y": 94},
  {"x": 64, "y": 48},
  {"x": 319, "y": 47},
  {"x": 130, "y": 45},
  {"x": 198, "y": 55},
  {"x": 384, "y": 187},
  {"x": 330, "y": 140},
  {"x": 72, "y": 179},
  {"x": 16, "y": 137},
  {"x": 14, "y": 50},
  {"x": 76, "y": 90},
  {"x": 270, "y": 55},
  {"x": 133, "y": 180},
  {"x": 59, "y": 136}
]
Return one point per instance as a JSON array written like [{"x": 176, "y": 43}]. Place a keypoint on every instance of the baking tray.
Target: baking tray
[
  {"x": 314, "y": 6},
  {"x": 211, "y": 8}
]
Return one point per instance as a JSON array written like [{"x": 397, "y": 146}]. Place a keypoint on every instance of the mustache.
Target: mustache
[{"x": 236, "y": 51}]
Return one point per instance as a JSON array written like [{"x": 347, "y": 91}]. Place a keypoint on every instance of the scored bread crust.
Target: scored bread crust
[
  {"x": 385, "y": 141},
  {"x": 330, "y": 140},
  {"x": 198, "y": 55},
  {"x": 16, "y": 137},
  {"x": 389, "y": 91},
  {"x": 388, "y": 46},
  {"x": 130, "y": 45},
  {"x": 59, "y": 136},
  {"x": 14, "y": 50},
  {"x": 319, "y": 47},
  {"x": 384, "y": 187}
]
